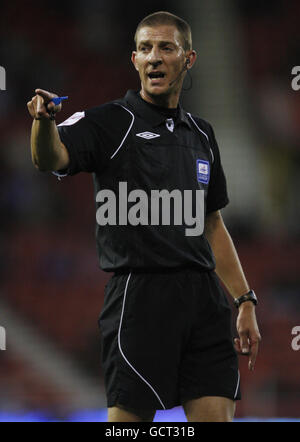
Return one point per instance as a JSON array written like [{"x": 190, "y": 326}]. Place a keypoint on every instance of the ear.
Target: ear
[
  {"x": 133, "y": 59},
  {"x": 192, "y": 56}
]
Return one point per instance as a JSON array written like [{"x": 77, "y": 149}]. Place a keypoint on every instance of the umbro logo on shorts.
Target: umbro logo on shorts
[{"x": 147, "y": 135}]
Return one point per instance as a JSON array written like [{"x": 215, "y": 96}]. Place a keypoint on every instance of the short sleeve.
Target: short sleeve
[
  {"x": 217, "y": 197},
  {"x": 91, "y": 137},
  {"x": 85, "y": 144}
]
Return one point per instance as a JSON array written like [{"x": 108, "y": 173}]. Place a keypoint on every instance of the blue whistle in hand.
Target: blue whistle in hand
[{"x": 58, "y": 100}]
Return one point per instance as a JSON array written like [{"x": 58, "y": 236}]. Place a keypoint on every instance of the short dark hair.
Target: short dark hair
[{"x": 166, "y": 18}]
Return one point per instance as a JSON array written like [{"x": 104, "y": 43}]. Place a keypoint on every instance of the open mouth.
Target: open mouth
[{"x": 153, "y": 75}]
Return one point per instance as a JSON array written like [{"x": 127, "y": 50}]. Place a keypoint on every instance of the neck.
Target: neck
[{"x": 169, "y": 101}]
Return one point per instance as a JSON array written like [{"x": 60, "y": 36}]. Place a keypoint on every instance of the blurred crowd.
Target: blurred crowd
[
  {"x": 49, "y": 272},
  {"x": 272, "y": 49}
]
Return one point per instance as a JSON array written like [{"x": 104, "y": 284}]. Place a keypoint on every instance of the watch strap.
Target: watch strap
[{"x": 250, "y": 296}]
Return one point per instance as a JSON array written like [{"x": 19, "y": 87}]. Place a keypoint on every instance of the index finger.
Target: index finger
[
  {"x": 253, "y": 354},
  {"x": 45, "y": 94},
  {"x": 40, "y": 105}
]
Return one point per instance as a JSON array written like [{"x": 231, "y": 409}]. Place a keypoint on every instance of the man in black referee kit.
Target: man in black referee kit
[{"x": 159, "y": 186}]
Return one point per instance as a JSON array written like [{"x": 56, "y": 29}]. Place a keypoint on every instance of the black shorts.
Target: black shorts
[{"x": 166, "y": 339}]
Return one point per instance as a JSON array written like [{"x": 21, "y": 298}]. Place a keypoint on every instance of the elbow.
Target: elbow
[
  {"x": 56, "y": 158},
  {"x": 37, "y": 165},
  {"x": 41, "y": 167}
]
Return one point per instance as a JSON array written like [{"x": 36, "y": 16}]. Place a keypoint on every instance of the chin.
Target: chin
[{"x": 157, "y": 91}]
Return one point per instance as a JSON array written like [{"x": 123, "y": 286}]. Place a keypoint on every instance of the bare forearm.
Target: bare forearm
[
  {"x": 229, "y": 270},
  {"x": 228, "y": 266},
  {"x": 46, "y": 149}
]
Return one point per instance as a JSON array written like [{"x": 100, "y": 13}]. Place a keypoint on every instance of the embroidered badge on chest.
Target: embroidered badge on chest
[
  {"x": 203, "y": 171},
  {"x": 170, "y": 124}
]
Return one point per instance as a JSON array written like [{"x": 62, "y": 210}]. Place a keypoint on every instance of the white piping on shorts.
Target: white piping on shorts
[
  {"x": 237, "y": 385},
  {"x": 121, "y": 351},
  {"x": 129, "y": 129},
  {"x": 200, "y": 130}
]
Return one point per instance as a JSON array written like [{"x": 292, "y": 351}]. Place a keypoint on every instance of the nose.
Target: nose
[
  {"x": 155, "y": 57},
  {"x": 156, "y": 63}
]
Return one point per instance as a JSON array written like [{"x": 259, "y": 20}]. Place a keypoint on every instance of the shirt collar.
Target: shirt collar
[{"x": 150, "y": 114}]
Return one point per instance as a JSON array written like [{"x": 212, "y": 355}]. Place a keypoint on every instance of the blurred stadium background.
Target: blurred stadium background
[{"x": 51, "y": 290}]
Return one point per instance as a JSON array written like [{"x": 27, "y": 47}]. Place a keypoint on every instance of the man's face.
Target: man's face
[{"x": 159, "y": 59}]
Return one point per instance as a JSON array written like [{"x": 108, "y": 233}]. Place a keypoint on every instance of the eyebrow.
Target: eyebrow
[{"x": 161, "y": 43}]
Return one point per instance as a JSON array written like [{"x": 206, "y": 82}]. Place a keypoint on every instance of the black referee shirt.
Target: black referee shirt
[{"x": 147, "y": 147}]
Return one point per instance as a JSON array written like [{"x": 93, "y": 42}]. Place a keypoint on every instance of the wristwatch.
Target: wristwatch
[{"x": 250, "y": 296}]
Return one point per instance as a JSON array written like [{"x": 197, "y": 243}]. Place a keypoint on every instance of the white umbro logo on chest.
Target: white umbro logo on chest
[{"x": 147, "y": 135}]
